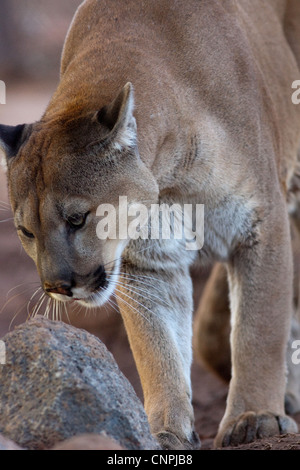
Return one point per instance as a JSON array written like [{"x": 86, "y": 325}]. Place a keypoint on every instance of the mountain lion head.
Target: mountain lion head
[{"x": 60, "y": 170}]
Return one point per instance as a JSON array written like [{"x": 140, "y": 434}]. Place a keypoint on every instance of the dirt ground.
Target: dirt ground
[{"x": 19, "y": 281}]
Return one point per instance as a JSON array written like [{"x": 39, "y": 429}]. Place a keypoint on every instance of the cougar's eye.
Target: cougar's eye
[
  {"x": 77, "y": 221},
  {"x": 25, "y": 232}
]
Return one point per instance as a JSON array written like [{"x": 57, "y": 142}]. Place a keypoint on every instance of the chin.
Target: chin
[{"x": 99, "y": 297}]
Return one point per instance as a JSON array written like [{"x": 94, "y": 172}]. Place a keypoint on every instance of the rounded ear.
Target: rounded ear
[
  {"x": 118, "y": 118},
  {"x": 11, "y": 139}
]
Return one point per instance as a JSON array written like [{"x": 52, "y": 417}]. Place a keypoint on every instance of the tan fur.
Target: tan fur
[{"x": 213, "y": 124}]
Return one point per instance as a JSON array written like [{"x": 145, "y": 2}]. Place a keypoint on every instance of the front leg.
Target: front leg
[
  {"x": 157, "y": 310},
  {"x": 260, "y": 278}
]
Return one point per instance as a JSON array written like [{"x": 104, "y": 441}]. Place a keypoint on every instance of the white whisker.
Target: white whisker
[
  {"x": 132, "y": 307},
  {"x": 140, "y": 276},
  {"x": 38, "y": 305},
  {"x": 66, "y": 312},
  {"x": 114, "y": 306},
  {"x": 139, "y": 291},
  {"x": 48, "y": 307},
  {"x": 135, "y": 278},
  {"x": 19, "y": 285},
  {"x": 33, "y": 295},
  {"x": 139, "y": 303},
  {"x": 16, "y": 314},
  {"x": 12, "y": 298}
]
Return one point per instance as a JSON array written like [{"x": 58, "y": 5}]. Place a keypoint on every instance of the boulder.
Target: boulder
[{"x": 59, "y": 382}]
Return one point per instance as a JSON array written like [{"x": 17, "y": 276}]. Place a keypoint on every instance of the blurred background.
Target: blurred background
[
  {"x": 31, "y": 37},
  {"x": 32, "y": 33}
]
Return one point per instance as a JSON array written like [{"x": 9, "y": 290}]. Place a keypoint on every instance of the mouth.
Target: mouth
[
  {"x": 94, "y": 295},
  {"x": 97, "y": 298}
]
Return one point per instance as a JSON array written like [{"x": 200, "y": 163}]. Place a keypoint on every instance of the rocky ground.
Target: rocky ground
[{"x": 19, "y": 281}]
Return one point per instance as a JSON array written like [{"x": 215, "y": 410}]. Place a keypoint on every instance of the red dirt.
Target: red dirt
[{"x": 209, "y": 394}]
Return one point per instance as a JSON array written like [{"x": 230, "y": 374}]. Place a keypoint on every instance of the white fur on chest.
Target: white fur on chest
[
  {"x": 3, "y": 162},
  {"x": 224, "y": 226}
]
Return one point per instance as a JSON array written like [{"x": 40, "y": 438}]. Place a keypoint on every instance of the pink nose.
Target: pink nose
[{"x": 58, "y": 288}]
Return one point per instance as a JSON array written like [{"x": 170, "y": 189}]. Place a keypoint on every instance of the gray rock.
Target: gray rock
[{"x": 58, "y": 382}]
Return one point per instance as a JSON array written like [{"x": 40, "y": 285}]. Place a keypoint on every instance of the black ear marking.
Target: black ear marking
[
  {"x": 119, "y": 111},
  {"x": 11, "y": 138},
  {"x": 105, "y": 118},
  {"x": 117, "y": 117}
]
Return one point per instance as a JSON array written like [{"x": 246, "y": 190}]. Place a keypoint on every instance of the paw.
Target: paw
[
  {"x": 169, "y": 441},
  {"x": 250, "y": 426}
]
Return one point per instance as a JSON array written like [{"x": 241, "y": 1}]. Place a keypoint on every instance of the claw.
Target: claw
[{"x": 250, "y": 426}]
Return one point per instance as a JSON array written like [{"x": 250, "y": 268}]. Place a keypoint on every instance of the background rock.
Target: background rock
[{"x": 59, "y": 382}]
